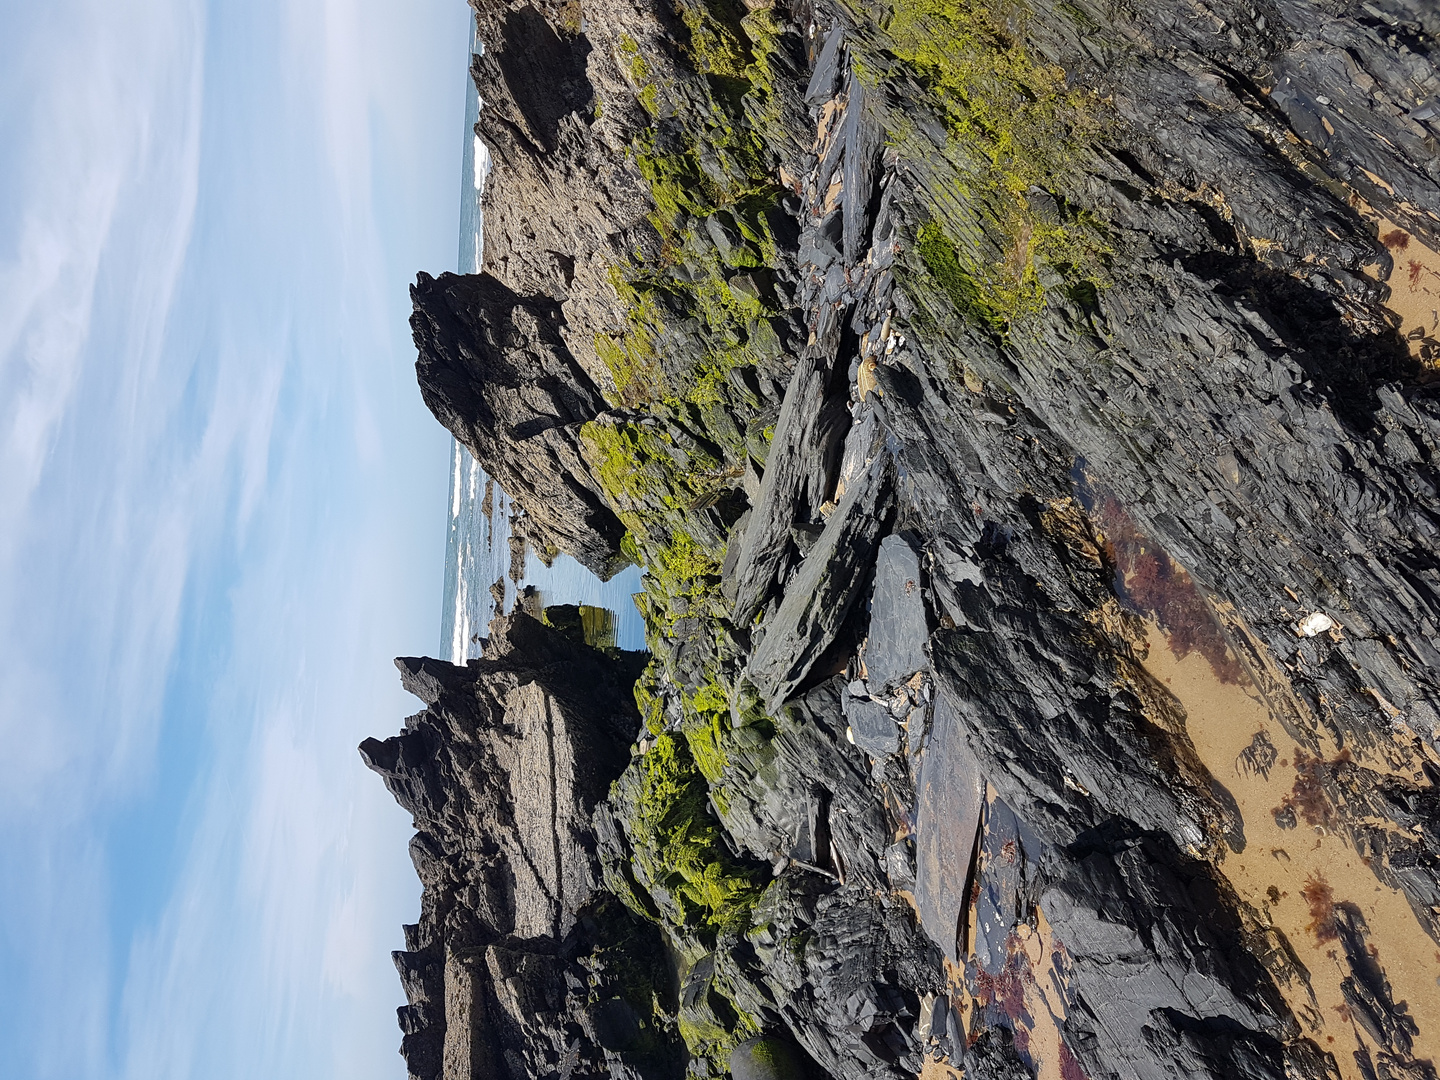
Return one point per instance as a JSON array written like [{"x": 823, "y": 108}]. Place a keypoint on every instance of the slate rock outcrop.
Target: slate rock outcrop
[
  {"x": 495, "y": 371},
  {"x": 1026, "y": 417},
  {"x": 520, "y": 963}
]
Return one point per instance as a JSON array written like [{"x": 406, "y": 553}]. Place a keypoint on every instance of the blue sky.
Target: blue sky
[{"x": 221, "y": 514}]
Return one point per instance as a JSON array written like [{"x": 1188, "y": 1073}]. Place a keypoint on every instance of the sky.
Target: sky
[{"x": 222, "y": 511}]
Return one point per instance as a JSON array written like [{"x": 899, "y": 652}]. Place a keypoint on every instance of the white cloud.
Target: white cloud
[
  {"x": 212, "y": 454},
  {"x": 275, "y": 945},
  {"x": 98, "y": 183},
  {"x": 104, "y": 190}
]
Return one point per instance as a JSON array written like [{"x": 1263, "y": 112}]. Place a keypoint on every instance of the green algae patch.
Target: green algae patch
[
  {"x": 640, "y": 75},
  {"x": 634, "y": 64},
  {"x": 719, "y": 46},
  {"x": 585, "y": 624},
  {"x": 732, "y": 47},
  {"x": 656, "y": 476},
  {"x": 1016, "y": 130},
  {"x": 679, "y": 857},
  {"x": 664, "y": 483},
  {"x": 710, "y": 1021},
  {"x": 943, "y": 262},
  {"x": 700, "y": 332},
  {"x": 711, "y": 1040},
  {"x": 1007, "y": 107},
  {"x": 632, "y": 357},
  {"x": 685, "y": 569},
  {"x": 713, "y": 189},
  {"x": 708, "y": 715},
  {"x": 716, "y": 310},
  {"x": 634, "y": 466},
  {"x": 705, "y": 723}
]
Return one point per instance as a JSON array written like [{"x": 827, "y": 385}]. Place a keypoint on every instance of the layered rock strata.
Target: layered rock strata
[
  {"x": 1023, "y": 415},
  {"x": 521, "y": 964}
]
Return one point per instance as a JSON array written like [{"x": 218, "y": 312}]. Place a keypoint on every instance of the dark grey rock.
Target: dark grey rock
[
  {"x": 726, "y": 237},
  {"x": 495, "y": 371},
  {"x": 827, "y": 583},
  {"x": 615, "y": 1024},
  {"x": 874, "y": 728},
  {"x": 949, "y": 796},
  {"x": 863, "y": 143},
  {"x": 808, "y": 436},
  {"x": 503, "y": 771},
  {"x": 895, "y": 648},
  {"x": 826, "y": 75}
]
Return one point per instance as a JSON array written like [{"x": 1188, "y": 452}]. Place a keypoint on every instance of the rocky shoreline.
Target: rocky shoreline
[{"x": 1025, "y": 417}]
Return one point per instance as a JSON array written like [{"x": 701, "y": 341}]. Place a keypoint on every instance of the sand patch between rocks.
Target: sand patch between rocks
[
  {"x": 1414, "y": 291},
  {"x": 1292, "y": 877}
]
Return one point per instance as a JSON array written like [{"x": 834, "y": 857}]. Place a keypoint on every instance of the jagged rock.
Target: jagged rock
[
  {"x": 827, "y": 583},
  {"x": 860, "y": 172},
  {"x": 494, "y": 370},
  {"x": 809, "y": 433},
  {"x": 895, "y": 648},
  {"x": 502, "y": 772},
  {"x": 949, "y": 799},
  {"x": 873, "y": 728},
  {"x": 1123, "y": 394}
]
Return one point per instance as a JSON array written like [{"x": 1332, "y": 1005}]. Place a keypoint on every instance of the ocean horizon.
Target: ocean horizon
[{"x": 477, "y": 542}]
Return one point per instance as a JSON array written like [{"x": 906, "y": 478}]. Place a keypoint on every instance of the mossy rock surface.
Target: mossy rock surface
[{"x": 767, "y": 1058}]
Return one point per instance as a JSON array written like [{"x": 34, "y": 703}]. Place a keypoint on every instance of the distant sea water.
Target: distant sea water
[{"x": 477, "y": 543}]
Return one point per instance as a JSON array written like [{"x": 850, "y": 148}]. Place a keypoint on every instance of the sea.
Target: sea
[{"x": 477, "y": 540}]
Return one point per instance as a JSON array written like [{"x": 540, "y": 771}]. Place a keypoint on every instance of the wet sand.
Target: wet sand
[
  {"x": 1414, "y": 288},
  {"x": 1293, "y": 878}
]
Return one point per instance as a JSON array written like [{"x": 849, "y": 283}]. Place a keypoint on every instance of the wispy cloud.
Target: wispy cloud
[
  {"x": 100, "y": 181},
  {"x": 222, "y": 504},
  {"x": 105, "y": 188}
]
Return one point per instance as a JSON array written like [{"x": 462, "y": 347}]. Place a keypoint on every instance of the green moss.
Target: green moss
[
  {"x": 633, "y": 62},
  {"x": 685, "y": 568},
  {"x": 707, "y": 723},
  {"x": 718, "y": 43},
  {"x": 677, "y": 843},
  {"x": 941, "y": 259},
  {"x": 1001, "y": 102},
  {"x": 630, "y": 461},
  {"x": 648, "y": 698},
  {"x": 633, "y": 357},
  {"x": 709, "y": 1040},
  {"x": 1015, "y": 127}
]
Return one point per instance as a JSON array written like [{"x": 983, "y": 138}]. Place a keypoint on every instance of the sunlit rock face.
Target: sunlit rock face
[{"x": 1023, "y": 414}]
